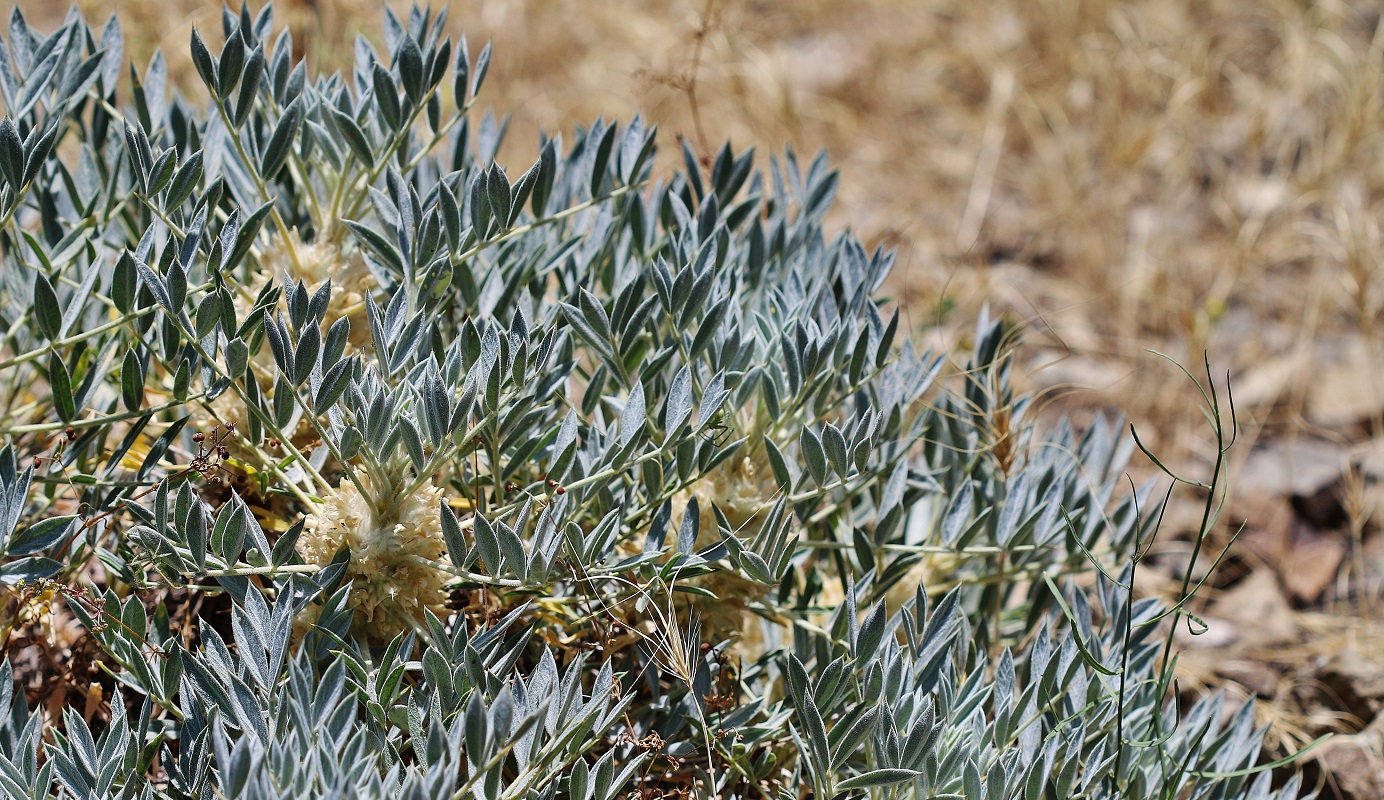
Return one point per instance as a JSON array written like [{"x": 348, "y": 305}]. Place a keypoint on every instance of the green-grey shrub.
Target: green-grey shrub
[{"x": 631, "y": 410}]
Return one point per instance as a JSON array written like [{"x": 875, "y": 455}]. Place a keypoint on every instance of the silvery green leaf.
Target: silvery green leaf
[
  {"x": 958, "y": 515},
  {"x": 590, "y": 334},
  {"x": 413, "y": 442},
  {"x": 283, "y": 550},
  {"x": 688, "y": 529},
  {"x": 283, "y": 402},
  {"x": 513, "y": 549},
  {"x": 814, "y": 455},
  {"x": 77, "y": 300},
  {"x": 317, "y": 306},
  {"x": 871, "y": 633},
  {"x": 279, "y": 343},
  {"x": 386, "y": 252},
  {"x": 922, "y": 736},
  {"x": 488, "y": 543},
  {"x": 8, "y": 84},
  {"x": 28, "y": 570},
  {"x": 176, "y": 280},
  {"x": 1008, "y": 523},
  {"x": 237, "y": 357},
  {"x": 394, "y": 32},
  {"x": 351, "y": 441},
  {"x": 60, "y": 385},
  {"x": 195, "y": 531},
  {"x": 834, "y": 445},
  {"x": 523, "y": 189},
  {"x": 38, "y": 81},
  {"x": 194, "y": 231},
  {"x": 230, "y": 234},
  {"x": 162, "y": 171},
  {"x": 153, "y": 112},
  {"x": 461, "y": 414},
  {"x": 22, "y": 41},
  {"x": 450, "y": 213},
  {"x": 638, "y": 148},
  {"x": 894, "y": 488},
  {"x": 710, "y": 326},
  {"x": 281, "y": 141},
  {"x": 578, "y": 781},
  {"x": 811, "y": 720},
  {"x": 37, "y": 153},
  {"x": 229, "y": 64},
  {"x": 601, "y": 160},
  {"x": 249, "y": 87},
  {"x": 451, "y": 535},
  {"x": 713, "y": 396},
  {"x": 543, "y": 185},
  {"x": 182, "y": 378},
  {"x": 113, "y": 50},
  {"x": 497, "y": 191},
  {"x": 482, "y": 66},
  {"x": 137, "y": 145},
  {"x": 411, "y": 70},
  {"x": 353, "y": 134},
  {"x": 46, "y": 308},
  {"x": 132, "y": 381},
  {"x": 878, "y": 777},
  {"x": 338, "y": 336},
  {"x": 76, "y": 82},
  {"x": 849, "y": 733},
  {"x": 305, "y": 354},
  {"x": 334, "y": 383},
  {"x": 293, "y": 88},
  {"x": 756, "y": 567},
  {"x": 679, "y": 404},
  {"x": 41, "y": 535},
  {"x": 693, "y": 171},
  {"x": 658, "y": 529},
  {"x": 11, "y": 153},
  {"x": 387, "y": 97},
  {"x": 437, "y": 408},
  {"x": 461, "y": 75},
  {"x": 203, "y": 61},
  {"x": 634, "y": 415},
  {"x": 886, "y": 342}
]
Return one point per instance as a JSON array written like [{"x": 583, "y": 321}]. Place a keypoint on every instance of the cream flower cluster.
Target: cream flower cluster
[{"x": 391, "y": 586}]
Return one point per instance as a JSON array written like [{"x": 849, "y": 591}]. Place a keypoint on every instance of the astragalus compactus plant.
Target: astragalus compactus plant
[{"x": 339, "y": 463}]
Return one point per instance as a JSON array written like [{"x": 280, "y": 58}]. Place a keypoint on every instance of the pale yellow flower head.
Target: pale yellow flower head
[{"x": 391, "y": 586}]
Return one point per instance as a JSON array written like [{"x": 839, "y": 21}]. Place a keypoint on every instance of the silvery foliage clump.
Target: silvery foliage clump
[{"x": 574, "y": 368}]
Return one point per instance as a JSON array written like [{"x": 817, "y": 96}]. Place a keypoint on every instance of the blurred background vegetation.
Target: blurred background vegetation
[{"x": 1175, "y": 175}]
